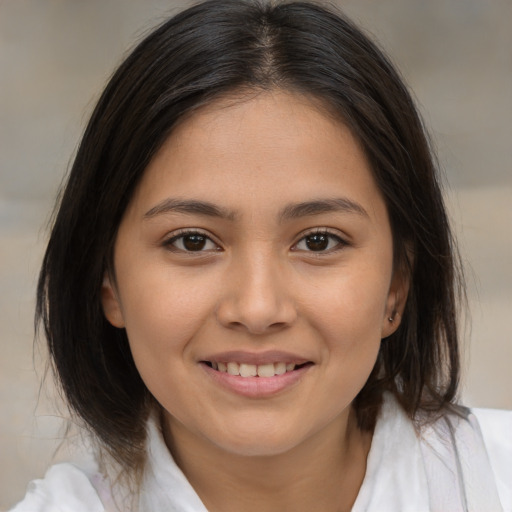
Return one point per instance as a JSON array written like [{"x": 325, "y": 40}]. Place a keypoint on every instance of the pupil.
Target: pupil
[
  {"x": 317, "y": 242},
  {"x": 194, "y": 242}
]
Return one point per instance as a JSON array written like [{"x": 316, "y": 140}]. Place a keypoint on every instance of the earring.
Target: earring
[{"x": 394, "y": 314}]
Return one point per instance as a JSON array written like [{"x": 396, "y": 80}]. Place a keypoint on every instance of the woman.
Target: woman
[{"x": 251, "y": 270}]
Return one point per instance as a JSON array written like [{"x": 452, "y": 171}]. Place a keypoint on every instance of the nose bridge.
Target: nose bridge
[
  {"x": 261, "y": 285},
  {"x": 258, "y": 298}
]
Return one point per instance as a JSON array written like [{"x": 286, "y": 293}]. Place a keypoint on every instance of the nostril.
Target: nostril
[{"x": 243, "y": 309}]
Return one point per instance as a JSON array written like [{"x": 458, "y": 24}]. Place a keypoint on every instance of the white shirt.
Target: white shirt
[{"x": 457, "y": 464}]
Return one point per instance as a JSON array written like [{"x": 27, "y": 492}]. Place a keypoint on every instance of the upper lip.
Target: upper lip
[{"x": 257, "y": 358}]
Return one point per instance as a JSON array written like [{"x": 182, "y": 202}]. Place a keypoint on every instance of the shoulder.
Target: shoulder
[
  {"x": 476, "y": 444},
  {"x": 65, "y": 487},
  {"x": 496, "y": 430}
]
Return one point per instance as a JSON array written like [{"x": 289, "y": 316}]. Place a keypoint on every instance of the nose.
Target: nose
[{"x": 257, "y": 297}]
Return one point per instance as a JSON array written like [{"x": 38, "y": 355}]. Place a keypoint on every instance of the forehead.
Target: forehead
[{"x": 268, "y": 148}]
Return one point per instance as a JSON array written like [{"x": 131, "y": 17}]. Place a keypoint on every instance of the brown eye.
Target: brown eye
[
  {"x": 317, "y": 242},
  {"x": 320, "y": 242},
  {"x": 191, "y": 242},
  {"x": 194, "y": 242}
]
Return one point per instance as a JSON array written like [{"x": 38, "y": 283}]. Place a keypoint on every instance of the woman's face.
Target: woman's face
[{"x": 254, "y": 275}]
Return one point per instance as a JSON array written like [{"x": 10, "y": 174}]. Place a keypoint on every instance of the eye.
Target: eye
[
  {"x": 191, "y": 241},
  {"x": 319, "y": 241}
]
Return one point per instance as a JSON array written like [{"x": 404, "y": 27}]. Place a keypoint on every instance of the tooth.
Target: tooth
[
  {"x": 215, "y": 365},
  {"x": 233, "y": 368},
  {"x": 266, "y": 370},
  {"x": 280, "y": 368},
  {"x": 290, "y": 367},
  {"x": 222, "y": 367},
  {"x": 247, "y": 370}
]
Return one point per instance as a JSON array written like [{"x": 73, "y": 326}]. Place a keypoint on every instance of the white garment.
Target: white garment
[{"x": 458, "y": 464}]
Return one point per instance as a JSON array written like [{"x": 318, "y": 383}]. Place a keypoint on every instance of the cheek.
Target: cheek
[
  {"x": 161, "y": 321},
  {"x": 351, "y": 304},
  {"x": 348, "y": 317},
  {"x": 351, "y": 326},
  {"x": 162, "y": 312}
]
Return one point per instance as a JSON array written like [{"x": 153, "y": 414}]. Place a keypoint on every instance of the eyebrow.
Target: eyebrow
[
  {"x": 190, "y": 207},
  {"x": 320, "y": 206},
  {"x": 289, "y": 212}
]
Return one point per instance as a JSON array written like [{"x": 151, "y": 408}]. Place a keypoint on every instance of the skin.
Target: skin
[{"x": 257, "y": 286}]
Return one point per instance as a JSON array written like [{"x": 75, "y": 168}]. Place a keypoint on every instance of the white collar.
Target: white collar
[
  {"x": 165, "y": 486},
  {"x": 395, "y": 478}
]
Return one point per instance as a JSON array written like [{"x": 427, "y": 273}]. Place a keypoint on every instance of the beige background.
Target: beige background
[{"x": 55, "y": 56}]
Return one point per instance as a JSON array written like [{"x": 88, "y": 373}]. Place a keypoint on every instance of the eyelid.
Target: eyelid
[
  {"x": 170, "y": 238},
  {"x": 342, "y": 239}
]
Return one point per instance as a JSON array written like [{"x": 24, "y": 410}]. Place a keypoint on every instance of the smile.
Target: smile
[
  {"x": 258, "y": 379},
  {"x": 253, "y": 370}
]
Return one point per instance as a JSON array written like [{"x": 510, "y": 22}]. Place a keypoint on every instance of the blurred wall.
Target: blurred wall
[{"x": 55, "y": 56}]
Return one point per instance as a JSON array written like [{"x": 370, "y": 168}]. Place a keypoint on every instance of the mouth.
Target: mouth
[
  {"x": 256, "y": 375},
  {"x": 246, "y": 370}
]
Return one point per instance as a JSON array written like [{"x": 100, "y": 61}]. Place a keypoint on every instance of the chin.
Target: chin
[{"x": 258, "y": 443}]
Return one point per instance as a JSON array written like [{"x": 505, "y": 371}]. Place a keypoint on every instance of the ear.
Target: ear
[
  {"x": 395, "y": 304},
  {"x": 110, "y": 303}
]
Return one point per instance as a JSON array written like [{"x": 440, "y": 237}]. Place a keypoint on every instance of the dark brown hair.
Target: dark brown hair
[{"x": 214, "y": 49}]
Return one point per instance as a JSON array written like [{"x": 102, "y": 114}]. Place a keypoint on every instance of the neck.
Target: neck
[{"x": 323, "y": 473}]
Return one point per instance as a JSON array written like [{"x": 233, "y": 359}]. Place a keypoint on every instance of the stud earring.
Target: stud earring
[{"x": 394, "y": 314}]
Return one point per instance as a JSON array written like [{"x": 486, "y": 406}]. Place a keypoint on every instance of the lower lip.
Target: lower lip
[{"x": 257, "y": 387}]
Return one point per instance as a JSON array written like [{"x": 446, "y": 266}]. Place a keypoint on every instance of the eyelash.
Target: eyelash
[
  {"x": 340, "y": 243},
  {"x": 181, "y": 235}
]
